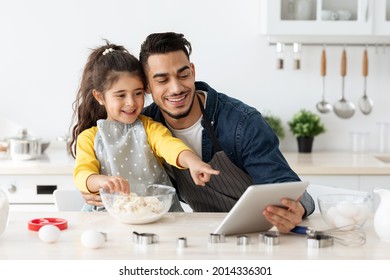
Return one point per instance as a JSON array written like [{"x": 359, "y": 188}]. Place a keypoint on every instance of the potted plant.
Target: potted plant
[
  {"x": 276, "y": 125},
  {"x": 305, "y": 125}
]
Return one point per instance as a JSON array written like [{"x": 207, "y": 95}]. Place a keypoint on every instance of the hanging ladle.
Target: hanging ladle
[
  {"x": 365, "y": 103},
  {"x": 323, "y": 106},
  {"x": 343, "y": 108}
]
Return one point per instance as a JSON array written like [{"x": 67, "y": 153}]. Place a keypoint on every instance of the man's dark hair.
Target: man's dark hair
[{"x": 161, "y": 43}]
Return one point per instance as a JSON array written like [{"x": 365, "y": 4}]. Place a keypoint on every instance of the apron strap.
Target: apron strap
[{"x": 209, "y": 128}]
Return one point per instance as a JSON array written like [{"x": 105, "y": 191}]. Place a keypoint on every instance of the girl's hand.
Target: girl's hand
[{"x": 112, "y": 183}]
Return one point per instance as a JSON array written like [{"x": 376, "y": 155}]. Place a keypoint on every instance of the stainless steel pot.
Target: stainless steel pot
[{"x": 24, "y": 147}]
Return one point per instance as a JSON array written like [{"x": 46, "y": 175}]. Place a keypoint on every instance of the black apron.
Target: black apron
[{"x": 223, "y": 190}]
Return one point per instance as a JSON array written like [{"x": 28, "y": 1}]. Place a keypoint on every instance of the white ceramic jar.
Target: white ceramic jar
[
  {"x": 303, "y": 10},
  {"x": 4, "y": 209}
]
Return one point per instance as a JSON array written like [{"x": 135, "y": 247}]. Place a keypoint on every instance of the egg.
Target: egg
[
  {"x": 347, "y": 209},
  {"x": 49, "y": 233},
  {"x": 330, "y": 215},
  {"x": 92, "y": 239},
  {"x": 364, "y": 212},
  {"x": 343, "y": 222}
]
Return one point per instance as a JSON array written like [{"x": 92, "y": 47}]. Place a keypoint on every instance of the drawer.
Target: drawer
[{"x": 35, "y": 189}]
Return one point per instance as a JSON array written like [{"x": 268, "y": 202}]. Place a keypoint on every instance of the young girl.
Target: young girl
[{"x": 114, "y": 146}]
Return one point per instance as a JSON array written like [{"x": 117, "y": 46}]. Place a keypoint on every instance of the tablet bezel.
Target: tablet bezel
[{"x": 243, "y": 219}]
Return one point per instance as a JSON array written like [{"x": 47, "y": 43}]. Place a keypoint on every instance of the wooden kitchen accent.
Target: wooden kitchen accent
[{"x": 17, "y": 242}]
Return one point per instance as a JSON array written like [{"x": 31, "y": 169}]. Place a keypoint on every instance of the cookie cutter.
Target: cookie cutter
[
  {"x": 104, "y": 235},
  {"x": 181, "y": 242},
  {"x": 243, "y": 240},
  {"x": 269, "y": 238},
  {"x": 144, "y": 238},
  {"x": 216, "y": 238},
  {"x": 319, "y": 240}
]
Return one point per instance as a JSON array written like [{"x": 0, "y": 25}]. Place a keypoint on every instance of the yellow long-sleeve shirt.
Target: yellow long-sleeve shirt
[{"x": 161, "y": 141}]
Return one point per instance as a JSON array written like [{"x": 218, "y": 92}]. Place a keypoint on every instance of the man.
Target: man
[{"x": 230, "y": 135}]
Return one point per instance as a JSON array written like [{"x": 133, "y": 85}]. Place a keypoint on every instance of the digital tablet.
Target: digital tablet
[{"x": 246, "y": 216}]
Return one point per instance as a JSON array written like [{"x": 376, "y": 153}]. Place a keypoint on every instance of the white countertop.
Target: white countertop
[
  {"x": 17, "y": 242},
  {"x": 337, "y": 163},
  {"x": 53, "y": 161}
]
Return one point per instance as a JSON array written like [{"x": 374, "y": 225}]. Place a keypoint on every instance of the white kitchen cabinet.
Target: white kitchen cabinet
[
  {"x": 382, "y": 18},
  {"x": 361, "y": 20},
  {"x": 33, "y": 192}
]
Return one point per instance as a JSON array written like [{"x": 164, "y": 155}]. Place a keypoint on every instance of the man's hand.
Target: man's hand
[
  {"x": 285, "y": 219},
  {"x": 92, "y": 199}
]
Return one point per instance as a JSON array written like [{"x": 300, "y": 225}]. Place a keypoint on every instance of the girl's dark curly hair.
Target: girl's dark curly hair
[{"x": 103, "y": 68}]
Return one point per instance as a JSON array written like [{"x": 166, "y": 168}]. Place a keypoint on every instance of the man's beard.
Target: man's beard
[{"x": 181, "y": 115}]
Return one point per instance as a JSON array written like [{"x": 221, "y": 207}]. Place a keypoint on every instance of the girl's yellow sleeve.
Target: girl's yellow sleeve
[
  {"x": 163, "y": 144},
  {"x": 86, "y": 162}
]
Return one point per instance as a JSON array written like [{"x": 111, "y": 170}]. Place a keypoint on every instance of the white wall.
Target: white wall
[{"x": 44, "y": 45}]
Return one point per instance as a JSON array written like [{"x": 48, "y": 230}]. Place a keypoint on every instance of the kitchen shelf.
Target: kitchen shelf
[{"x": 367, "y": 22}]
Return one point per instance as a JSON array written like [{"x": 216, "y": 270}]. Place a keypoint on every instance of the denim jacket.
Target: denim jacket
[{"x": 245, "y": 137}]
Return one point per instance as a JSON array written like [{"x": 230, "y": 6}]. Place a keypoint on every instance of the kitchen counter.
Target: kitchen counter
[
  {"x": 338, "y": 163},
  {"x": 17, "y": 242},
  {"x": 53, "y": 161},
  {"x": 56, "y": 161}
]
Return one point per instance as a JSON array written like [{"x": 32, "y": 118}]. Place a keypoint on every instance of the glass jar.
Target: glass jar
[{"x": 4, "y": 209}]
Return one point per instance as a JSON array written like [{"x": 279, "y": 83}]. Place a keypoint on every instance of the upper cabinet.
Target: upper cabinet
[
  {"x": 382, "y": 18},
  {"x": 339, "y": 19}
]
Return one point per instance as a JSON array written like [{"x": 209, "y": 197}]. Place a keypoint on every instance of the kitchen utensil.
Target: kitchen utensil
[
  {"x": 365, "y": 103},
  {"x": 323, "y": 106},
  {"x": 146, "y": 206},
  {"x": 36, "y": 224},
  {"x": 351, "y": 236},
  {"x": 319, "y": 240},
  {"x": 243, "y": 240},
  {"x": 343, "y": 209},
  {"x": 269, "y": 238},
  {"x": 343, "y": 108},
  {"x": 25, "y": 147}
]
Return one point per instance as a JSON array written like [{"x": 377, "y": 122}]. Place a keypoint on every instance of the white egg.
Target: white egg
[
  {"x": 343, "y": 222},
  {"x": 92, "y": 239},
  {"x": 363, "y": 214},
  {"x": 330, "y": 215},
  {"x": 49, "y": 233},
  {"x": 347, "y": 209}
]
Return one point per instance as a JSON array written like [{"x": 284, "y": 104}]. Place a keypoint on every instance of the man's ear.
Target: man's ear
[
  {"x": 193, "y": 69},
  {"x": 147, "y": 90},
  {"x": 98, "y": 96}
]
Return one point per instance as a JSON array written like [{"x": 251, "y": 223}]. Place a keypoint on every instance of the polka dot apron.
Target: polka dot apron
[{"x": 123, "y": 150}]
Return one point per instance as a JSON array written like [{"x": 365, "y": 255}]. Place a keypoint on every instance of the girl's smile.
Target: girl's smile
[{"x": 124, "y": 101}]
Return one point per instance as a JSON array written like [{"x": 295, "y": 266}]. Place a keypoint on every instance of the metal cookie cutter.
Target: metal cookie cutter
[
  {"x": 269, "y": 237},
  {"x": 144, "y": 238},
  {"x": 181, "y": 242},
  {"x": 216, "y": 238},
  {"x": 243, "y": 240},
  {"x": 319, "y": 240},
  {"x": 104, "y": 235}
]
